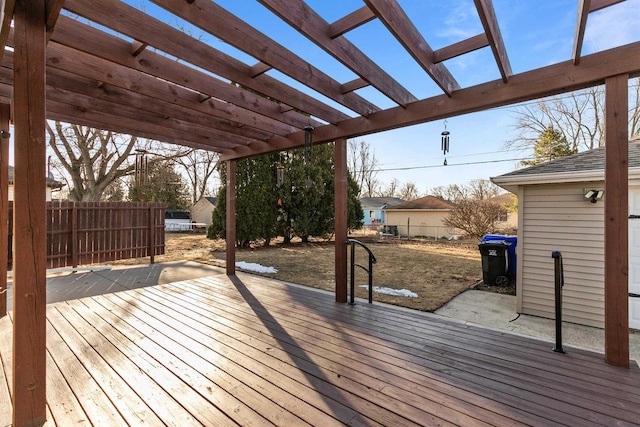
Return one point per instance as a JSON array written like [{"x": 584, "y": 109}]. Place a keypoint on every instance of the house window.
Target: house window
[{"x": 372, "y": 214}]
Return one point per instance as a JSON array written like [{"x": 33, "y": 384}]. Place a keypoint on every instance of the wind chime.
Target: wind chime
[
  {"x": 444, "y": 143},
  {"x": 308, "y": 151}
]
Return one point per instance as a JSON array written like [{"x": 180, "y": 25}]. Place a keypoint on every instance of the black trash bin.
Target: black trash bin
[{"x": 495, "y": 263}]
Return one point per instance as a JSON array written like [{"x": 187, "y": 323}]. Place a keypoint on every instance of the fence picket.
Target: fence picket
[{"x": 80, "y": 233}]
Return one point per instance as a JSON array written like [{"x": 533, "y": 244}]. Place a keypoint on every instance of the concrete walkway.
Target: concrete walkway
[
  {"x": 98, "y": 281},
  {"x": 498, "y": 311}
]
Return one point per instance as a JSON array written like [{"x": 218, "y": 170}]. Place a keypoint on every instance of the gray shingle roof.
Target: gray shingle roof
[
  {"x": 427, "y": 202},
  {"x": 379, "y": 202},
  {"x": 584, "y": 161}
]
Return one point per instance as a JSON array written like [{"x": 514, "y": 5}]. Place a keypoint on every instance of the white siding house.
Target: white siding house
[
  {"x": 421, "y": 217},
  {"x": 554, "y": 214},
  {"x": 201, "y": 211}
]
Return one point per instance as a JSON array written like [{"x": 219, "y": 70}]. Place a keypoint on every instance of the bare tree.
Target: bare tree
[
  {"x": 483, "y": 189},
  {"x": 363, "y": 166},
  {"x": 390, "y": 190},
  {"x": 578, "y": 116},
  {"x": 200, "y": 167},
  {"x": 476, "y": 217},
  {"x": 452, "y": 193},
  {"x": 409, "y": 191},
  {"x": 92, "y": 159}
]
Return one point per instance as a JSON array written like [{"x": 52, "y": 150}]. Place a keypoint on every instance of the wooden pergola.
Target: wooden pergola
[{"x": 62, "y": 68}]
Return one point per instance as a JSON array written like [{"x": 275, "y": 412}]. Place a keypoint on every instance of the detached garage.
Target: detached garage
[{"x": 561, "y": 207}]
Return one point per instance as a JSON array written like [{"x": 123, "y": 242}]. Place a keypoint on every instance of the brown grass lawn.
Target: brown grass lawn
[{"x": 436, "y": 271}]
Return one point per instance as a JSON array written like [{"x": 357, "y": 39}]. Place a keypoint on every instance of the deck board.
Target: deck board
[{"x": 253, "y": 351}]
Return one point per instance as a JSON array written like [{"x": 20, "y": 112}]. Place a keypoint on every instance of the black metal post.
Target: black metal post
[
  {"x": 353, "y": 274},
  {"x": 370, "y": 280},
  {"x": 559, "y": 283}
]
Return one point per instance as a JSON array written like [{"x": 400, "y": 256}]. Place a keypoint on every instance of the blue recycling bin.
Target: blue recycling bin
[{"x": 511, "y": 250}]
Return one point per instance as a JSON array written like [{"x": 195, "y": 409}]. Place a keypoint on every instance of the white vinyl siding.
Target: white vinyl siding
[
  {"x": 201, "y": 212},
  {"x": 427, "y": 223},
  {"x": 558, "y": 217}
]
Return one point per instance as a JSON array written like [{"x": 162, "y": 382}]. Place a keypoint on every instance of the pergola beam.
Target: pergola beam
[
  {"x": 102, "y": 116},
  {"x": 103, "y": 122},
  {"x": 304, "y": 19},
  {"x": 217, "y": 21},
  {"x": 241, "y": 106},
  {"x": 488, "y": 18},
  {"x": 460, "y": 48},
  {"x": 601, "y": 4},
  {"x": 350, "y": 22},
  {"x": 54, "y": 7},
  {"x": 584, "y": 7},
  {"x": 139, "y": 26},
  {"x": 546, "y": 81},
  {"x": 6, "y": 16},
  {"x": 399, "y": 24}
]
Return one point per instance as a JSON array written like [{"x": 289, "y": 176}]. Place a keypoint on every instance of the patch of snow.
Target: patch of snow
[
  {"x": 394, "y": 292},
  {"x": 252, "y": 266}
]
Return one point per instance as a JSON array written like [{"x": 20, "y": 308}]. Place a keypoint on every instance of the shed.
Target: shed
[
  {"x": 421, "y": 217},
  {"x": 561, "y": 207},
  {"x": 202, "y": 210},
  {"x": 373, "y": 208}
]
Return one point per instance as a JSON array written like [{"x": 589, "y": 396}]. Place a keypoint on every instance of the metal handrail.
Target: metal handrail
[
  {"x": 559, "y": 284},
  {"x": 372, "y": 260}
]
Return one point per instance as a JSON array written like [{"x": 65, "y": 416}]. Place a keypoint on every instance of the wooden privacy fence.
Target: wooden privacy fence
[{"x": 80, "y": 233}]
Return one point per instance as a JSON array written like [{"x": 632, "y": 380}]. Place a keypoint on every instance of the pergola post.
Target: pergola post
[
  {"x": 30, "y": 231},
  {"x": 616, "y": 230},
  {"x": 5, "y": 117},
  {"x": 340, "y": 168},
  {"x": 231, "y": 218}
]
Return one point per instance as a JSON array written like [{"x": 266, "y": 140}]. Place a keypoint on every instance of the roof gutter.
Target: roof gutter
[{"x": 511, "y": 183}]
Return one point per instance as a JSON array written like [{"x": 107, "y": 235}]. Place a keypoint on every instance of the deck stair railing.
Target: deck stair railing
[
  {"x": 559, "y": 284},
  {"x": 369, "y": 270}
]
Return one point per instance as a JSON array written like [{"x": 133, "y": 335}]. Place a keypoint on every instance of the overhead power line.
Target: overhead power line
[{"x": 448, "y": 165}]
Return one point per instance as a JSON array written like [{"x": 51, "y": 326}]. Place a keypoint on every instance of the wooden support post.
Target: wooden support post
[
  {"x": 30, "y": 228},
  {"x": 5, "y": 117},
  {"x": 231, "y": 218},
  {"x": 341, "y": 231},
  {"x": 74, "y": 237},
  {"x": 152, "y": 234},
  {"x": 616, "y": 230}
]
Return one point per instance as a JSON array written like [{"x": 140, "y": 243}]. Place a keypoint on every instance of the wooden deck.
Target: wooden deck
[{"x": 252, "y": 351}]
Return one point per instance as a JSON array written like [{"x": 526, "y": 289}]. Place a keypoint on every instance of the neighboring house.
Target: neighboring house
[
  {"x": 560, "y": 208},
  {"x": 52, "y": 185},
  {"x": 373, "y": 208},
  {"x": 421, "y": 217},
  {"x": 202, "y": 210},
  {"x": 509, "y": 201}
]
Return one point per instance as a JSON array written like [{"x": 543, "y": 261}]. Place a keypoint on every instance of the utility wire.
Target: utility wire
[{"x": 447, "y": 165}]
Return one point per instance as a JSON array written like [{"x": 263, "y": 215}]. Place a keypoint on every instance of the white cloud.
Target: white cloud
[
  {"x": 462, "y": 22},
  {"x": 613, "y": 26}
]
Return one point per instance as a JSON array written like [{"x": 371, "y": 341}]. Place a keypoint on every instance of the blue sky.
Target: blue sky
[{"x": 536, "y": 34}]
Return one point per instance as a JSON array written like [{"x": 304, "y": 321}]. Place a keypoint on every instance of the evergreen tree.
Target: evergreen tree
[
  {"x": 303, "y": 205},
  {"x": 550, "y": 145},
  {"x": 161, "y": 184},
  {"x": 256, "y": 202}
]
